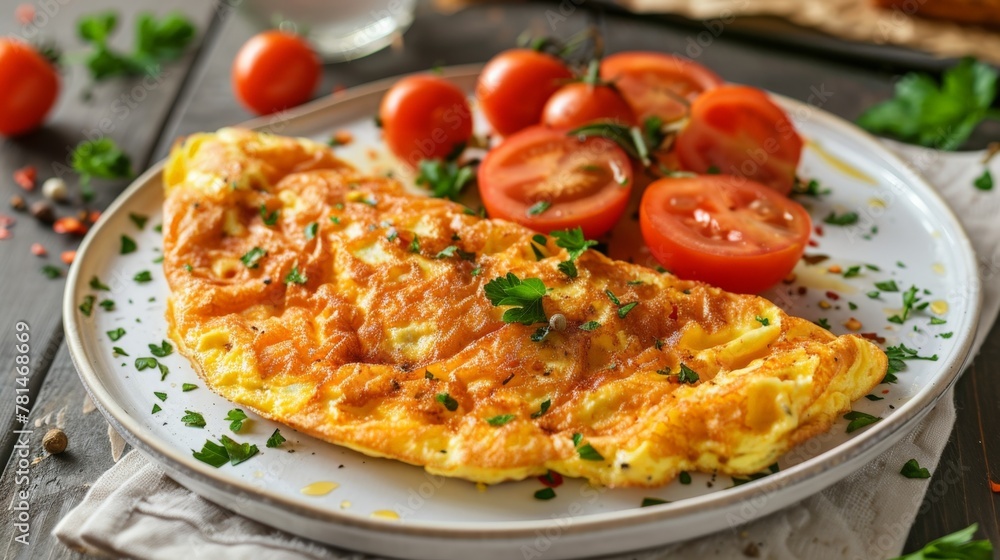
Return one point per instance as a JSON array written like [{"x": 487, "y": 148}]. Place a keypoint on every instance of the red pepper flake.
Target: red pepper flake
[
  {"x": 25, "y": 177},
  {"x": 38, "y": 250},
  {"x": 68, "y": 257},
  {"x": 339, "y": 88},
  {"x": 885, "y": 391},
  {"x": 4, "y": 233},
  {"x": 69, "y": 225},
  {"x": 6, "y": 221},
  {"x": 790, "y": 278},
  {"x": 835, "y": 269},
  {"x": 93, "y": 216},
  {"x": 802, "y": 290},
  {"x": 995, "y": 487},
  {"x": 833, "y": 295},
  {"x": 551, "y": 479},
  {"x": 873, "y": 336},
  {"x": 24, "y": 13},
  {"x": 342, "y": 138},
  {"x": 813, "y": 243},
  {"x": 673, "y": 312},
  {"x": 819, "y": 230}
]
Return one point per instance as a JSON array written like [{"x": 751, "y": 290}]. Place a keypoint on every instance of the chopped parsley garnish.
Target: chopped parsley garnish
[
  {"x": 87, "y": 305},
  {"x": 852, "y": 271},
  {"x": 116, "y": 334},
  {"x": 810, "y": 188},
  {"x": 588, "y": 453},
  {"x": 428, "y": 375},
  {"x": 295, "y": 277},
  {"x": 897, "y": 354},
  {"x": 538, "y": 240},
  {"x": 160, "y": 395},
  {"x": 685, "y": 477},
  {"x": 452, "y": 250},
  {"x": 687, "y": 375},
  {"x": 859, "y": 420},
  {"x": 568, "y": 268},
  {"x": 311, "y": 230},
  {"x": 823, "y": 322},
  {"x": 524, "y": 295},
  {"x": 415, "y": 244},
  {"x": 212, "y": 454},
  {"x": 251, "y": 259},
  {"x": 193, "y": 419},
  {"x": 763, "y": 320},
  {"x": 545, "y": 494},
  {"x": 909, "y": 300},
  {"x": 873, "y": 294},
  {"x": 852, "y": 306},
  {"x": 573, "y": 241},
  {"x": 450, "y": 403},
  {"x": 590, "y": 325},
  {"x": 269, "y": 218},
  {"x": 238, "y": 452},
  {"x": 188, "y": 267},
  {"x": 236, "y": 417},
  {"x": 118, "y": 351},
  {"x": 946, "y": 335},
  {"x": 912, "y": 469},
  {"x": 138, "y": 219},
  {"x": 336, "y": 220},
  {"x": 144, "y": 276},
  {"x": 107, "y": 304},
  {"x": 539, "y": 207},
  {"x": 937, "y": 321},
  {"x": 542, "y": 409},
  {"x": 540, "y": 334},
  {"x": 984, "y": 182},
  {"x": 188, "y": 387},
  {"x": 164, "y": 349},
  {"x": 874, "y": 397},
  {"x": 958, "y": 545},
  {"x": 145, "y": 363},
  {"x": 96, "y": 284},
  {"x": 845, "y": 219},
  {"x": 445, "y": 179},
  {"x": 647, "y": 502},
  {"x": 275, "y": 440},
  {"x": 500, "y": 419},
  {"x": 156, "y": 408},
  {"x": 623, "y": 310},
  {"x": 614, "y": 299},
  {"x": 577, "y": 438},
  {"x": 164, "y": 370},
  {"x": 128, "y": 245}
]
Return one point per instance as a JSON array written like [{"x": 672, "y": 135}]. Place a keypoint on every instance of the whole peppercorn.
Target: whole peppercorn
[
  {"x": 17, "y": 203},
  {"x": 55, "y": 441},
  {"x": 43, "y": 212}
]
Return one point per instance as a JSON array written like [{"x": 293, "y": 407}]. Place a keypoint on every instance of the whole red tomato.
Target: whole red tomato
[
  {"x": 29, "y": 86},
  {"x": 514, "y": 86},
  {"x": 425, "y": 117},
  {"x": 275, "y": 70}
]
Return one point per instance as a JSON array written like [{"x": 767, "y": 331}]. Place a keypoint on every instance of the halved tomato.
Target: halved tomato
[
  {"x": 546, "y": 180},
  {"x": 656, "y": 84},
  {"x": 733, "y": 233},
  {"x": 738, "y": 130}
]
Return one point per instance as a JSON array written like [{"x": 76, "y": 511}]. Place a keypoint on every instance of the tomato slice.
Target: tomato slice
[
  {"x": 655, "y": 84},
  {"x": 547, "y": 180},
  {"x": 738, "y": 130},
  {"x": 728, "y": 231}
]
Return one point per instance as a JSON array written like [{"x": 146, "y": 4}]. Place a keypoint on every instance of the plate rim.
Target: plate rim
[{"x": 887, "y": 432}]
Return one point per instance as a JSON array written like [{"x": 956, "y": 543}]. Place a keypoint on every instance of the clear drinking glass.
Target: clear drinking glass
[{"x": 338, "y": 29}]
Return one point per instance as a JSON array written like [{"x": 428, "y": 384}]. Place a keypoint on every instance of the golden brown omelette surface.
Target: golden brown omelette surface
[{"x": 383, "y": 325}]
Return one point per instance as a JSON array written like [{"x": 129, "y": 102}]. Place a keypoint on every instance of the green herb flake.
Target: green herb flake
[
  {"x": 897, "y": 355},
  {"x": 162, "y": 350},
  {"x": 588, "y": 453},
  {"x": 937, "y": 321},
  {"x": 311, "y": 230},
  {"x": 447, "y": 252},
  {"x": 445, "y": 179},
  {"x": 295, "y": 277},
  {"x": 525, "y": 297},
  {"x": 145, "y": 363},
  {"x": 188, "y": 387},
  {"x": 238, "y": 452},
  {"x": 946, "y": 335},
  {"x": 956, "y": 546},
  {"x": 193, "y": 419},
  {"x": 138, "y": 219},
  {"x": 96, "y": 284},
  {"x": 500, "y": 419},
  {"x": 275, "y": 440},
  {"x": 590, "y": 326},
  {"x": 685, "y": 478},
  {"x": 115, "y": 334},
  {"x": 912, "y": 469},
  {"x": 624, "y": 310},
  {"x": 649, "y": 502},
  {"x": 845, "y": 219},
  {"x": 156, "y": 408},
  {"x": 118, "y": 351},
  {"x": 539, "y": 207},
  {"x": 87, "y": 306},
  {"x": 449, "y": 403},
  {"x": 415, "y": 244},
  {"x": 984, "y": 182},
  {"x": 542, "y": 409},
  {"x": 823, "y": 322},
  {"x": 874, "y": 397},
  {"x": 128, "y": 245},
  {"x": 107, "y": 304},
  {"x": 859, "y": 420},
  {"x": 251, "y": 259},
  {"x": 545, "y": 494},
  {"x": 568, "y": 268},
  {"x": 577, "y": 439},
  {"x": 687, "y": 375},
  {"x": 270, "y": 218},
  {"x": 236, "y": 417},
  {"x": 143, "y": 276},
  {"x": 809, "y": 188},
  {"x": 212, "y": 454},
  {"x": 161, "y": 396},
  {"x": 852, "y": 271},
  {"x": 763, "y": 320}
]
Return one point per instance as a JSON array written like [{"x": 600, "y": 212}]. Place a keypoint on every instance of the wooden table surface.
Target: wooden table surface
[{"x": 194, "y": 94}]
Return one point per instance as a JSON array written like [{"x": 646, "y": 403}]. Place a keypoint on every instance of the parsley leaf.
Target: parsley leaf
[
  {"x": 251, "y": 259},
  {"x": 545, "y": 494},
  {"x": 897, "y": 354},
  {"x": 445, "y": 179},
  {"x": 763, "y": 320},
  {"x": 937, "y": 116},
  {"x": 212, "y": 454},
  {"x": 100, "y": 158},
  {"x": 275, "y": 440},
  {"x": 164, "y": 349},
  {"x": 984, "y": 182},
  {"x": 568, "y": 268},
  {"x": 685, "y": 477},
  {"x": 912, "y": 469},
  {"x": 128, "y": 245},
  {"x": 295, "y": 277},
  {"x": 859, "y": 420},
  {"x": 193, "y": 419},
  {"x": 687, "y": 375},
  {"x": 810, "y": 188},
  {"x": 145, "y": 363},
  {"x": 577, "y": 438},
  {"x": 887, "y": 286},
  {"x": 311, "y": 230},
  {"x": 450, "y": 403},
  {"x": 845, "y": 219},
  {"x": 623, "y": 310},
  {"x": 590, "y": 325},
  {"x": 539, "y": 207},
  {"x": 958, "y": 545},
  {"x": 238, "y": 452},
  {"x": 107, "y": 304},
  {"x": 158, "y": 40},
  {"x": 648, "y": 502},
  {"x": 138, "y": 219},
  {"x": 525, "y": 295},
  {"x": 188, "y": 387},
  {"x": 143, "y": 276},
  {"x": 500, "y": 419},
  {"x": 542, "y": 409},
  {"x": 588, "y": 453},
  {"x": 573, "y": 241},
  {"x": 156, "y": 408},
  {"x": 909, "y": 300},
  {"x": 116, "y": 334},
  {"x": 96, "y": 284},
  {"x": 160, "y": 395},
  {"x": 236, "y": 417},
  {"x": 269, "y": 218},
  {"x": 118, "y": 351}
]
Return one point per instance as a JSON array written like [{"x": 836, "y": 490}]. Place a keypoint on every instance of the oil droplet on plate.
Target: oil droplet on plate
[
  {"x": 481, "y": 486},
  {"x": 840, "y": 165},
  {"x": 385, "y": 514},
  {"x": 939, "y": 307},
  {"x": 876, "y": 203},
  {"x": 321, "y": 488},
  {"x": 938, "y": 268},
  {"x": 345, "y": 504}
]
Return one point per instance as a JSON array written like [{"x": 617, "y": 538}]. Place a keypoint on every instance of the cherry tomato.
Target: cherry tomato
[
  {"x": 657, "y": 84},
  {"x": 738, "y": 130},
  {"x": 275, "y": 70},
  {"x": 28, "y": 87},
  {"x": 579, "y": 103},
  {"x": 425, "y": 117},
  {"x": 728, "y": 231},
  {"x": 547, "y": 180},
  {"x": 514, "y": 86}
]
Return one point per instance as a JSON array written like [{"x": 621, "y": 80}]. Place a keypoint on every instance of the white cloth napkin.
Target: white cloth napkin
[{"x": 135, "y": 511}]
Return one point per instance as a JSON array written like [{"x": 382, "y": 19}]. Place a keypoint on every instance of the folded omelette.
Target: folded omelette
[{"x": 354, "y": 311}]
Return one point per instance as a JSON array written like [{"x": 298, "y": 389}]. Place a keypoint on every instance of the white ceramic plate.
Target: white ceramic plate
[{"x": 918, "y": 242}]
